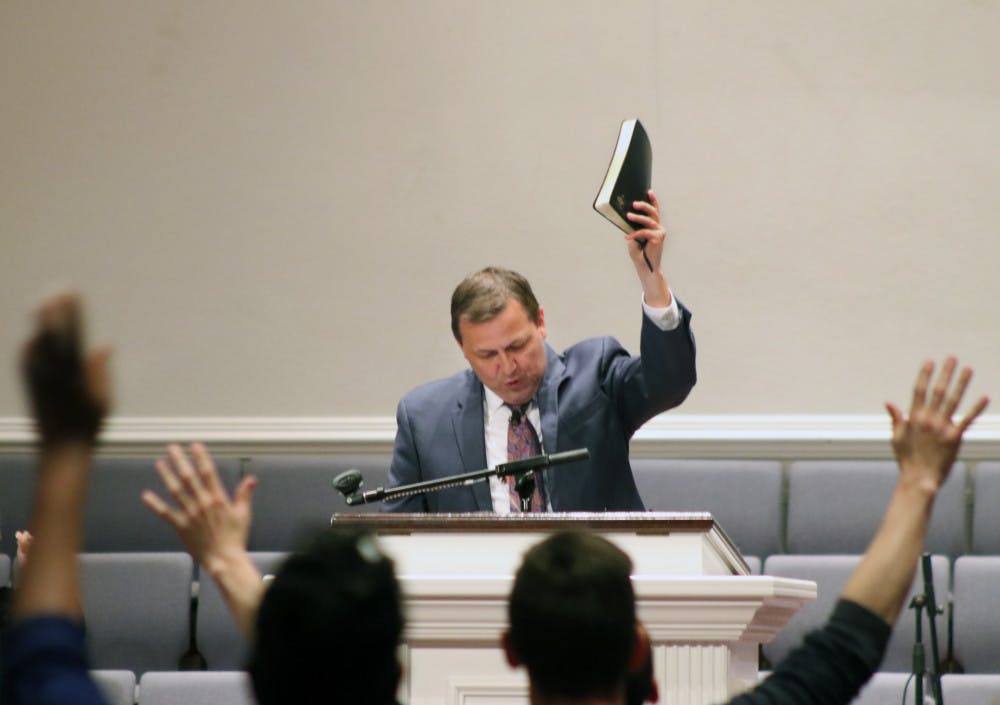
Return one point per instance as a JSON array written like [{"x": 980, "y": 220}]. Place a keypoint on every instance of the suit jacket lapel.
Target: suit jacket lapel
[
  {"x": 470, "y": 431},
  {"x": 548, "y": 408}
]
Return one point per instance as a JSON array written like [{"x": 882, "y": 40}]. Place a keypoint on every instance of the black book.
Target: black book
[{"x": 629, "y": 175}]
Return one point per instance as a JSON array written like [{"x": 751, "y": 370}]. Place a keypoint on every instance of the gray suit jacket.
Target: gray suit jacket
[{"x": 594, "y": 395}]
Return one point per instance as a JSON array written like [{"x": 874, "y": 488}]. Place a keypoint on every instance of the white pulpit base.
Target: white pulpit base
[{"x": 456, "y": 574}]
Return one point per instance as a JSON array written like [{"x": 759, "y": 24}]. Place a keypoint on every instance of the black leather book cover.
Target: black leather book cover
[{"x": 629, "y": 175}]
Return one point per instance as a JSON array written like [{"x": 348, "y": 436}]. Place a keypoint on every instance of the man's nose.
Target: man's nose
[{"x": 508, "y": 363}]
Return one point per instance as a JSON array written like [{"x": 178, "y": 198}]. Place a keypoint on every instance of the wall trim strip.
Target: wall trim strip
[{"x": 668, "y": 435}]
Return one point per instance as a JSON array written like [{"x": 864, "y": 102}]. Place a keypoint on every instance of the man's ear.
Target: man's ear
[
  {"x": 641, "y": 653},
  {"x": 513, "y": 660},
  {"x": 641, "y": 649}
]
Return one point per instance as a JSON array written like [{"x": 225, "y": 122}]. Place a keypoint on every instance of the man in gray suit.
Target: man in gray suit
[{"x": 593, "y": 395}]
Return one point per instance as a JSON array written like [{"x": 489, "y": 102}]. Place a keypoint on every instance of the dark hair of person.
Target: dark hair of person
[
  {"x": 572, "y": 616},
  {"x": 484, "y": 294},
  {"x": 329, "y": 626}
]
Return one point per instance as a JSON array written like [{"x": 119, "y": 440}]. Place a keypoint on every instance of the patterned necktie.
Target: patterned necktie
[{"x": 522, "y": 442}]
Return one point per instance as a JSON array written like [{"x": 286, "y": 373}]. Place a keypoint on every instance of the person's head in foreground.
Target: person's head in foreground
[
  {"x": 572, "y": 619},
  {"x": 329, "y": 626}
]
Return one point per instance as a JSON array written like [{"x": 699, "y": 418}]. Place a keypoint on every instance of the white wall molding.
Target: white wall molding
[{"x": 669, "y": 435}]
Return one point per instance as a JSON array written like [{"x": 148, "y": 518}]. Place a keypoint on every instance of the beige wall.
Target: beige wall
[{"x": 268, "y": 204}]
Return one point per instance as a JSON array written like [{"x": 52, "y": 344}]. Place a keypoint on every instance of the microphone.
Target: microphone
[
  {"x": 932, "y": 612},
  {"x": 569, "y": 456},
  {"x": 536, "y": 462},
  {"x": 925, "y": 564},
  {"x": 348, "y": 483}
]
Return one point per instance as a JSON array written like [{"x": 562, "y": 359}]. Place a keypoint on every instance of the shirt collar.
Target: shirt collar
[
  {"x": 494, "y": 404},
  {"x": 493, "y": 401}
]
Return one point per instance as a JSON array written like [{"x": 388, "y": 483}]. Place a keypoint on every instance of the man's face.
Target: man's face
[{"x": 507, "y": 352}]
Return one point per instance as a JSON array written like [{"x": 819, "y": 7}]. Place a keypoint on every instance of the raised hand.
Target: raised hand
[
  {"x": 645, "y": 247},
  {"x": 213, "y": 527},
  {"x": 69, "y": 390},
  {"x": 647, "y": 241},
  {"x": 926, "y": 442},
  {"x": 210, "y": 524},
  {"x": 24, "y": 539}
]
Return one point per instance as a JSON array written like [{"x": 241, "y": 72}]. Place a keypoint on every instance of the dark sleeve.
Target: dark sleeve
[
  {"x": 830, "y": 666},
  {"x": 44, "y": 663},
  {"x": 660, "y": 378}
]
